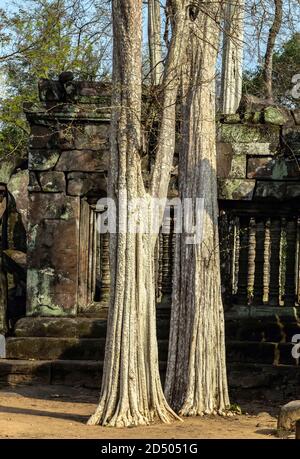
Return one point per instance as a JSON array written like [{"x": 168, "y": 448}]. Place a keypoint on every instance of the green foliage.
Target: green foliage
[
  {"x": 286, "y": 64},
  {"x": 41, "y": 39}
]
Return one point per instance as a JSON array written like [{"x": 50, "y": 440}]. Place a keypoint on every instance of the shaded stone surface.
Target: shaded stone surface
[
  {"x": 291, "y": 140},
  {"x": 53, "y": 241},
  {"x": 260, "y": 167},
  {"x": 293, "y": 190},
  {"x": 43, "y": 137},
  {"x": 296, "y": 114},
  {"x": 56, "y": 206},
  {"x": 289, "y": 414},
  {"x": 13, "y": 372},
  {"x": 224, "y": 158},
  {"x": 77, "y": 327},
  {"x": 236, "y": 189},
  {"x": 33, "y": 182},
  {"x": 52, "y": 181},
  {"x": 270, "y": 190},
  {"x": 42, "y": 160},
  {"x": 80, "y": 184},
  {"x": 251, "y": 352},
  {"x": 83, "y": 160},
  {"x": 61, "y": 348},
  {"x": 69, "y": 327},
  {"x": 83, "y": 136}
]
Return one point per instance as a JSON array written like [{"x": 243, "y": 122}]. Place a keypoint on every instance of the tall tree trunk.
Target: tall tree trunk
[
  {"x": 196, "y": 381},
  {"x": 268, "y": 65},
  {"x": 131, "y": 392},
  {"x": 154, "y": 40},
  {"x": 3, "y": 275},
  {"x": 232, "y": 57}
]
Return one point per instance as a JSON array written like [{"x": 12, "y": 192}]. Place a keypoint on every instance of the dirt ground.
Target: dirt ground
[{"x": 61, "y": 412}]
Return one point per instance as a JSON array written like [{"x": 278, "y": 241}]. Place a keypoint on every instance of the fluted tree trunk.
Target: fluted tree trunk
[
  {"x": 232, "y": 56},
  {"x": 268, "y": 64},
  {"x": 131, "y": 392},
  {"x": 196, "y": 381},
  {"x": 154, "y": 40}
]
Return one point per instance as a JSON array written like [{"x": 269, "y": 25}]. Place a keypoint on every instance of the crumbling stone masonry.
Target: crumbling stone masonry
[{"x": 62, "y": 336}]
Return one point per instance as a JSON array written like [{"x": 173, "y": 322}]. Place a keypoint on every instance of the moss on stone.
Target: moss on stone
[
  {"x": 245, "y": 133},
  {"x": 275, "y": 115}
]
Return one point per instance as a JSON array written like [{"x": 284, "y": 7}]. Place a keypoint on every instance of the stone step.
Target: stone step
[
  {"x": 246, "y": 380},
  {"x": 84, "y": 373},
  {"x": 260, "y": 352},
  {"x": 45, "y": 348},
  {"x": 77, "y": 327},
  {"x": 261, "y": 330},
  {"x": 260, "y": 381}
]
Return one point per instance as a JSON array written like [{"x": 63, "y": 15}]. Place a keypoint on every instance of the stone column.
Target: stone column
[
  {"x": 275, "y": 233},
  {"x": 267, "y": 254},
  {"x": 259, "y": 263},
  {"x": 104, "y": 267},
  {"x": 236, "y": 255},
  {"x": 290, "y": 273},
  {"x": 242, "y": 289},
  {"x": 167, "y": 256},
  {"x": 232, "y": 59},
  {"x": 251, "y": 257}
]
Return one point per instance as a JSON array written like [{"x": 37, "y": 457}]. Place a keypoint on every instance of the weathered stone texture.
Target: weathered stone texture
[
  {"x": 252, "y": 148},
  {"x": 259, "y": 167},
  {"x": 33, "y": 185},
  {"x": 289, "y": 414},
  {"x": 42, "y": 160},
  {"x": 296, "y": 114},
  {"x": 276, "y": 115},
  {"x": 52, "y": 181},
  {"x": 80, "y": 184},
  {"x": 243, "y": 133},
  {"x": 291, "y": 140},
  {"x": 84, "y": 136},
  {"x": 43, "y": 137},
  {"x": 236, "y": 189},
  {"x": 55, "y": 206},
  {"x": 53, "y": 241},
  {"x": 83, "y": 161}
]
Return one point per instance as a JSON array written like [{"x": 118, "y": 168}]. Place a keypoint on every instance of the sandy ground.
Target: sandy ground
[{"x": 60, "y": 412}]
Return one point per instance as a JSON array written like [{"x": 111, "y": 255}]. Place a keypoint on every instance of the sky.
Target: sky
[{"x": 251, "y": 54}]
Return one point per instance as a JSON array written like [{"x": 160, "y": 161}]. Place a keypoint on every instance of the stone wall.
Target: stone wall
[
  {"x": 68, "y": 160},
  {"x": 259, "y": 155},
  {"x": 258, "y": 160}
]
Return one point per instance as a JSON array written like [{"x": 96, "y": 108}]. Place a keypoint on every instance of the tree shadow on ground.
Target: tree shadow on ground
[{"x": 51, "y": 414}]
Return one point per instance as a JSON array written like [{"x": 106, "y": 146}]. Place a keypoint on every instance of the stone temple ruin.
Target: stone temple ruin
[{"x": 54, "y": 277}]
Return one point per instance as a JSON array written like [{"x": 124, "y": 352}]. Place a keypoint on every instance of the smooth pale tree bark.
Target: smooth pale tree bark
[
  {"x": 154, "y": 40},
  {"x": 131, "y": 392},
  {"x": 232, "y": 57},
  {"x": 268, "y": 64},
  {"x": 196, "y": 381}
]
